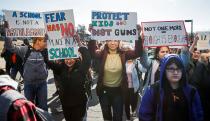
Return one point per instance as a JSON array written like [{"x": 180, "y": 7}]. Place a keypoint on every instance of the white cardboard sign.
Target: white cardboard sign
[
  {"x": 204, "y": 40},
  {"x": 60, "y": 29},
  {"x": 114, "y": 26},
  {"x": 24, "y": 24},
  {"x": 164, "y": 33}
]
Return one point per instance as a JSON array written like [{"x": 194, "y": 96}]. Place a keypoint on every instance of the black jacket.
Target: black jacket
[
  {"x": 201, "y": 80},
  {"x": 71, "y": 82}
]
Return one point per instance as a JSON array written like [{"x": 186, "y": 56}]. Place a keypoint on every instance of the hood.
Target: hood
[
  {"x": 164, "y": 62},
  {"x": 6, "y": 80}
]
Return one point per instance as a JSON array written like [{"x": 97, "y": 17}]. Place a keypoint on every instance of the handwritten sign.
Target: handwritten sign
[
  {"x": 204, "y": 40},
  {"x": 60, "y": 29},
  {"x": 24, "y": 24},
  {"x": 164, "y": 33},
  {"x": 114, "y": 26}
]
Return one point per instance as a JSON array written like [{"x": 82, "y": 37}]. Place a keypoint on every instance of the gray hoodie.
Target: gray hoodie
[{"x": 34, "y": 70}]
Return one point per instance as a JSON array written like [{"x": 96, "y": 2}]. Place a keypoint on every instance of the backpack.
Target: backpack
[
  {"x": 14, "y": 58},
  {"x": 34, "y": 65},
  {"x": 28, "y": 52},
  {"x": 9, "y": 98}
]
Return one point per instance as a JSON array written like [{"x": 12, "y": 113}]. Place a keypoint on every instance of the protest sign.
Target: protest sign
[
  {"x": 164, "y": 33},
  {"x": 24, "y": 24},
  {"x": 114, "y": 26},
  {"x": 60, "y": 30},
  {"x": 203, "y": 40}
]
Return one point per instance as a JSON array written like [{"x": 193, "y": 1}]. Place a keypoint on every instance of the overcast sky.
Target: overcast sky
[{"x": 147, "y": 10}]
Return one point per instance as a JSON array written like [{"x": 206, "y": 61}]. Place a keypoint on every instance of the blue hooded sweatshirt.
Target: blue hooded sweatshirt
[{"x": 151, "y": 108}]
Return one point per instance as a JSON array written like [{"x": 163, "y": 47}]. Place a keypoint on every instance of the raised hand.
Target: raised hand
[{"x": 77, "y": 39}]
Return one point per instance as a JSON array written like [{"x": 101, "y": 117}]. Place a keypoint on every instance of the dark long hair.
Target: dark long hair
[
  {"x": 106, "y": 48},
  {"x": 157, "y": 50}
]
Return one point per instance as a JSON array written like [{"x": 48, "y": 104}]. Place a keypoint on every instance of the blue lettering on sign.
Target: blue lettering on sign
[
  {"x": 30, "y": 15},
  {"x": 54, "y": 17},
  {"x": 14, "y": 14},
  {"x": 109, "y": 15},
  {"x": 62, "y": 53}
]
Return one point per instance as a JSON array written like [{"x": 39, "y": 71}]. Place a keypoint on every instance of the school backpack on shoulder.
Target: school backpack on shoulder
[
  {"x": 28, "y": 52},
  {"x": 14, "y": 58},
  {"x": 9, "y": 96},
  {"x": 34, "y": 65}
]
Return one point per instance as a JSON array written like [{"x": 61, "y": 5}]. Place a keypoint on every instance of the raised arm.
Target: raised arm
[
  {"x": 85, "y": 55},
  {"x": 86, "y": 60},
  {"x": 193, "y": 44},
  {"x": 138, "y": 47},
  {"x": 20, "y": 50},
  {"x": 185, "y": 56}
]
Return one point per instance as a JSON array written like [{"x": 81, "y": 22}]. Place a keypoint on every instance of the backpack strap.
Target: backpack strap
[
  {"x": 6, "y": 100},
  {"x": 146, "y": 80},
  {"x": 14, "y": 58},
  {"x": 28, "y": 52},
  {"x": 139, "y": 73},
  {"x": 45, "y": 55},
  {"x": 30, "y": 49}
]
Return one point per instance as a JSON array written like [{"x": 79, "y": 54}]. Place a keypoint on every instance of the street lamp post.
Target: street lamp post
[{"x": 191, "y": 21}]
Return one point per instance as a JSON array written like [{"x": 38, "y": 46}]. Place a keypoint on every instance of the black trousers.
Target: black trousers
[
  {"x": 74, "y": 113},
  {"x": 131, "y": 99}
]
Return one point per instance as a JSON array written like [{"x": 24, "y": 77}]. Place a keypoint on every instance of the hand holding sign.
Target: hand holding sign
[
  {"x": 77, "y": 39},
  {"x": 196, "y": 38},
  {"x": 138, "y": 29},
  {"x": 46, "y": 37},
  {"x": 6, "y": 25}
]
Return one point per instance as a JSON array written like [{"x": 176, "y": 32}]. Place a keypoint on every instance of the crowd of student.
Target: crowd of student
[{"x": 169, "y": 87}]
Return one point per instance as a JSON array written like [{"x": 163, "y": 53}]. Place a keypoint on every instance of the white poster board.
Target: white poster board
[
  {"x": 114, "y": 26},
  {"x": 60, "y": 30},
  {"x": 204, "y": 40},
  {"x": 164, "y": 33},
  {"x": 24, "y": 24}
]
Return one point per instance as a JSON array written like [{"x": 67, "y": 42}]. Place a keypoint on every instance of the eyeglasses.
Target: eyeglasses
[{"x": 172, "y": 70}]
